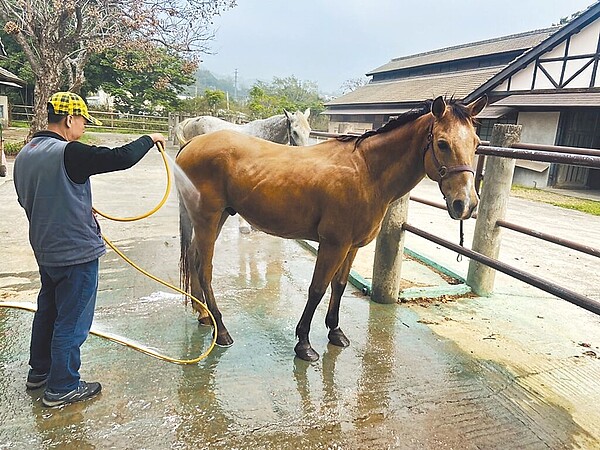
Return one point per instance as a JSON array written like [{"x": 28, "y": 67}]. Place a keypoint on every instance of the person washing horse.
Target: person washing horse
[{"x": 52, "y": 179}]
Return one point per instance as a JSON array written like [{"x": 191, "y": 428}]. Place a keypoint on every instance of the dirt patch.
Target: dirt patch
[
  {"x": 14, "y": 134},
  {"x": 539, "y": 195}
]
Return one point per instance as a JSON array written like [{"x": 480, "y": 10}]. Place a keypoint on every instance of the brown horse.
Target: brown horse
[{"x": 336, "y": 193}]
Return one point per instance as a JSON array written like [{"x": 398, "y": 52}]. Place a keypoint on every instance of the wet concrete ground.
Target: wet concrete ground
[{"x": 505, "y": 372}]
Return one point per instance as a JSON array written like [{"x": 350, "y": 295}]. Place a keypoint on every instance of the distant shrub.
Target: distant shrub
[{"x": 12, "y": 148}]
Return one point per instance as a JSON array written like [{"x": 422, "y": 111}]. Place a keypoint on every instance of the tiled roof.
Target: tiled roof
[
  {"x": 522, "y": 41},
  {"x": 9, "y": 76},
  {"x": 589, "y": 99},
  {"x": 417, "y": 89}
]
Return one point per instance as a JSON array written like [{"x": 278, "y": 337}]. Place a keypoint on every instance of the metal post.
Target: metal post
[
  {"x": 388, "y": 253},
  {"x": 497, "y": 182},
  {"x": 3, "y": 164}
]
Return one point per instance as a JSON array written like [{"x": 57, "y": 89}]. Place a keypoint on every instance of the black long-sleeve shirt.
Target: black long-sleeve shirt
[{"x": 83, "y": 160}]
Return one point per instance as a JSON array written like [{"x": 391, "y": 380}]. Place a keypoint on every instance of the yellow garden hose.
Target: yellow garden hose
[
  {"x": 157, "y": 207},
  {"x": 152, "y": 352},
  {"x": 119, "y": 339}
]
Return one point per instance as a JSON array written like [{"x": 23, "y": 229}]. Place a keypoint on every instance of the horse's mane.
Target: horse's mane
[{"x": 458, "y": 108}]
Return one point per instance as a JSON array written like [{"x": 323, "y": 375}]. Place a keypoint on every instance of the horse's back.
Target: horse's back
[
  {"x": 231, "y": 142},
  {"x": 236, "y": 154},
  {"x": 206, "y": 124}
]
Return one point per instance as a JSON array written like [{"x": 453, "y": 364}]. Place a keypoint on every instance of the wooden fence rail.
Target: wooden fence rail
[{"x": 110, "y": 120}]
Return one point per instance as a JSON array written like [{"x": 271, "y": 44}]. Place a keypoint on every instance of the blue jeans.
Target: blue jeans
[{"x": 65, "y": 310}]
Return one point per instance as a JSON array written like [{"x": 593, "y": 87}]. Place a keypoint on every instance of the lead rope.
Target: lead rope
[
  {"x": 443, "y": 171},
  {"x": 461, "y": 240}
]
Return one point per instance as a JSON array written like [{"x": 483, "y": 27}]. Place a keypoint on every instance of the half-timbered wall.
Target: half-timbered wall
[{"x": 572, "y": 64}]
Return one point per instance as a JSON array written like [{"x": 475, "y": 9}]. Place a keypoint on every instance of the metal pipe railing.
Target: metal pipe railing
[
  {"x": 540, "y": 283},
  {"x": 543, "y": 156},
  {"x": 525, "y": 230}
]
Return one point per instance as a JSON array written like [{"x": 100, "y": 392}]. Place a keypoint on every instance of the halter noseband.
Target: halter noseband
[{"x": 443, "y": 171}]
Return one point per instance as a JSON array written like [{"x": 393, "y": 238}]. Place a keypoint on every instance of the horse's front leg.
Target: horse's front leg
[
  {"x": 329, "y": 259},
  {"x": 338, "y": 286}
]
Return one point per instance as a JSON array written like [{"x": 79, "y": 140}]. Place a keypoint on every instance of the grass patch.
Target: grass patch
[
  {"x": 12, "y": 148},
  {"x": 562, "y": 201}
]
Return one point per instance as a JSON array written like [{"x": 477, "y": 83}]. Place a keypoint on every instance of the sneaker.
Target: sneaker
[
  {"x": 36, "y": 380},
  {"x": 83, "y": 392}
]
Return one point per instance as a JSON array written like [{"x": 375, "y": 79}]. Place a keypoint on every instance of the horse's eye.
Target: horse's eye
[{"x": 443, "y": 146}]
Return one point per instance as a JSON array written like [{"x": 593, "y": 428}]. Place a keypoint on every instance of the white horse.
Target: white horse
[{"x": 288, "y": 128}]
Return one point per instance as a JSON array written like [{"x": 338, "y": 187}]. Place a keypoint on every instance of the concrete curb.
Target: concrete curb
[{"x": 431, "y": 292}]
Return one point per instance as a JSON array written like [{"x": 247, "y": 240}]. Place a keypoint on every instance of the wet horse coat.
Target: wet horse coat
[
  {"x": 288, "y": 128},
  {"x": 336, "y": 193}
]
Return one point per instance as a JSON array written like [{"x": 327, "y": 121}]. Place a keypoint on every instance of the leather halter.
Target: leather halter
[
  {"x": 289, "y": 130},
  {"x": 443, "y": 171}
]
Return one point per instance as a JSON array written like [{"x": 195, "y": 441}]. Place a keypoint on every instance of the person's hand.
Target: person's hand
[{"x": 158, "y": 138}]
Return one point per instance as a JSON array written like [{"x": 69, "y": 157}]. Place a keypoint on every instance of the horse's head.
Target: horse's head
[
  {"x": 298, "y": 127},
  {"x": 450, "y": 151}
]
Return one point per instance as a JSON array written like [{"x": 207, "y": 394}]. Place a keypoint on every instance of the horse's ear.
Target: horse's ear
[
  {"x": 307, "y": 113},
  {"x": 287, "y": 114},
  {"x": 477, "y": 106},
  {"x": 439, "y": 107}
]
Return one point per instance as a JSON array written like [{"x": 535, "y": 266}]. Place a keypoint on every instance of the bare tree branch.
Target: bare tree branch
[{"x": 58, "y": 36}]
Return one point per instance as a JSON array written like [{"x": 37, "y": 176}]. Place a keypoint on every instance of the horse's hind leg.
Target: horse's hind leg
[
  {"x": 329, "y": 259},
  {"x": 196, "y": 289},
  {"x": 206, "y": 234},
  {"x": 338, "y": 286}
]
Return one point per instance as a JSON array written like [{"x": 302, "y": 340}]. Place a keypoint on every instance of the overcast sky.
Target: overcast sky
[{"x": 330, "y": 41}]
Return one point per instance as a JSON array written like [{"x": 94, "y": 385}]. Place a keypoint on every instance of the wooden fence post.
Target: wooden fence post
[
  {"x": 497, "y": 182},
  {"x": 388, "y": 253},
  {"x": 173, "y": 122}
]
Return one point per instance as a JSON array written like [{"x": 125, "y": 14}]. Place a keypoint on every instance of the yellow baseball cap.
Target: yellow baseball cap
[{"x": 71, "y": 104}]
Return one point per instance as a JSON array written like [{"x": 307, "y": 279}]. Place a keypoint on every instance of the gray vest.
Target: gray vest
[{"x": 62, "y": 229}]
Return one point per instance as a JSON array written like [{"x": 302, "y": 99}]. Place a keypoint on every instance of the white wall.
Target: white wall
[
  {"x": 4, "y": 108},
  {"x": 538, "y": 128},
  {"x": 349, "y": 127}
]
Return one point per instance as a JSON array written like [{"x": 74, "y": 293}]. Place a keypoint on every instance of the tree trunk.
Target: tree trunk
[{"x": 47, "y": 84}]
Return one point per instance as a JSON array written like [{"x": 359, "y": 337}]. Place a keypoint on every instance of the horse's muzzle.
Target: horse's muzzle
[{"x": 461, "y": 209}]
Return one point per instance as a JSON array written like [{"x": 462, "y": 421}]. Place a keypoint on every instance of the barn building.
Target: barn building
[
  {"x": 8, "y": 80},
  {"x": 546, "y": 80}
]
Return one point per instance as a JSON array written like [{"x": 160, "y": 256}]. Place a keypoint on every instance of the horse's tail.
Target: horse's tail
[
  {"x": 185, "y": 241},
  {"x": 179, "y": 132}
]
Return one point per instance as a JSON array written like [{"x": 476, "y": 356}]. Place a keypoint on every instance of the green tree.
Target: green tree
[
  {"x": 215, "y": 99},
  {"x": 16, "y": 62},
  {"x": 58, "y": 37},
  {"x": 141, "y": 79},
  {"x": 268, "y": 99}
]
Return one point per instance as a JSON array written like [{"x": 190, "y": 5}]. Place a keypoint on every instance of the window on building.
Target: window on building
[{"x": 487, "y": 125}]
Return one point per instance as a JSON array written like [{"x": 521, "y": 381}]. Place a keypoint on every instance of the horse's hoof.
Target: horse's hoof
[
  {"x": 224, "y": 340},
  {"x": 306, "y": 353},
  {"x": 205, "y": 321},
  {"x": 337, "y": 337}
]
